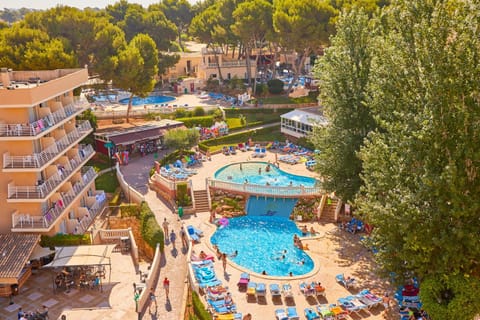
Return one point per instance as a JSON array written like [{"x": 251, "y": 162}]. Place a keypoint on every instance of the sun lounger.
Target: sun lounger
[
  {"x": 369, "y": 299},
  {"x": 275, "y": 290},
  {"x": 311, "y": 314},
  {"x": 220, "y": 306},
  {"x": 338, "y": 312},
  {"x": 241, "y": 147},
  {"x": 346, "y": 282},
  {"x": 307, "y": 289},
  {"x": 228, "y": 316},
  {"x": 256, "y": 153},
  {"x": 251, "y": 289},
  {"x": 261, "y": 290},
  {"x": 287, "y": 290},
  {"x": 280, "y": 314},
  {"x": 194, "y": 233},
  {"x": 244, "y": 280},
  {"x": 232, "y": 150},
  {"x": 197, "y": 231},
  {"x": 325, "y": 312},
  {"x": 319, "y": 289},
  {"x": 292, "y": 313},
  {"x": 351, "y": 304}
]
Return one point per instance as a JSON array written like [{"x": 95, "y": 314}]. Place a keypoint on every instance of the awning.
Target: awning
[
  {"x": 132, "y": 137},
  {"x": 15, "y": 249},
  {"x": 301, "y": 116},
  {"x": 81, "y": 256},
  {"x": 40, "y": 252}
]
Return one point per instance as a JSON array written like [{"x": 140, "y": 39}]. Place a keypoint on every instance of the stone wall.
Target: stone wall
[{"x": 224, "y": 200}]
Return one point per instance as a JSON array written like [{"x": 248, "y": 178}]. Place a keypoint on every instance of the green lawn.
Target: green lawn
[
  {"x": 99, "y": 162},
  {"x": 107, "y": 182},
  {"x": 287, "y": 100}
]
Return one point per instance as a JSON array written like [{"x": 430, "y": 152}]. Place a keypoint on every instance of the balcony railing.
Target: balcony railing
[
  {"x": 93, "y": 211},
  {"x": 274, "y": 191},
  {"x": 37, "y": 127},
  {"x": 44, "y": 188},
  {"x": 38, "y": 160},
  {"x": 229, "y": 64},
  {"x": 48, "y": 218}
]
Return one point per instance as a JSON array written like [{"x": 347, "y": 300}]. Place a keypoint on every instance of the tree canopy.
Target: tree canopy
[{"x": 181, "y": 139}]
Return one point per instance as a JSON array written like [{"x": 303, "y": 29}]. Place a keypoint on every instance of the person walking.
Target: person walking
[
  {"x": 165, "y": 227},
  {"x": 173, "y": 237},
  {"x": 183, "y": 235},
  {"x": 166, "y": 286},
  {"x": 153, "y": 298},
  {"x": 224, "y": 261}
]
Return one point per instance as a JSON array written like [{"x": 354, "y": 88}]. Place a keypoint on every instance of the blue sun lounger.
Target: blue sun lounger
[
  {"x": 311, "y": 314},
  {"x": 280, "y": 314},
  {"x": 261, "y": 290},
  {"x": 275, "y": 290},
  {"x": 292, "y": 313}
]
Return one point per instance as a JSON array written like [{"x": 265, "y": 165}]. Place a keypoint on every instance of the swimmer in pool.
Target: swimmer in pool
[{"x": 282, "y": 257}]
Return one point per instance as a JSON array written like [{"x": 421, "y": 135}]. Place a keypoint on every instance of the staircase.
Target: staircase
[
  {"x": 201, "y": 201},
  {"x": 328, "y": 213}
]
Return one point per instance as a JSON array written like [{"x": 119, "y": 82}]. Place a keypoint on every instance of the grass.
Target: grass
[
  {"x": 99, "y": 162},
  {"x": 234, "y": 123},
  {"x": 107, "y": 182},
  {"x": 281, "y": 99},
  {"x": 252, "y": 119}
]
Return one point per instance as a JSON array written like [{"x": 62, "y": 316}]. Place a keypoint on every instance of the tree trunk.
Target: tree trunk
[
  {"x": 297, "y": 67},
  {"x": 220, "y": 77},
  {"x": 180, "y": 39},
  {"x": 247, "y": 64},
  {"x": 129, "y": 107}
]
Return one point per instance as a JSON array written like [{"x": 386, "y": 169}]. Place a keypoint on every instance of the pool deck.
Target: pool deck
[{"x": 334, "y": 252}]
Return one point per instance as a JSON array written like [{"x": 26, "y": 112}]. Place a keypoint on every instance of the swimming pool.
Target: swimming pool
[
  {"x": 239, "y": 172},
  {"x": 260, "y": 241},
  {"x": 137, "y": 101}
]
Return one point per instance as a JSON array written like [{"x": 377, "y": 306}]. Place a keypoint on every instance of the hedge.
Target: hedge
[
  {"x": 64, "y": 240},
  {"x": 116, "y": 199},
  {"x": 150, "y": 229},
  {"x": 235, "y": 112},
  {"x": 204, "y": 121},
  {"x": 183, "y": 199},
  {"x": 199, "y": 308},
  {"x": 174, "y": 156}
]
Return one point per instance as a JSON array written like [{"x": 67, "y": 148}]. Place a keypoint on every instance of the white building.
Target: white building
[{"x": 299, "y": 123}]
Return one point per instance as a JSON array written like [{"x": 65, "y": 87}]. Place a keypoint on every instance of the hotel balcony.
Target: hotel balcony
[
  {"x": 44, "y": 125},
  {"x": 38, "y": 161},
  {"x": 229, "y": 64},
  {"x": 25, "y": 222},
  {"x": 44, "y": 189}
]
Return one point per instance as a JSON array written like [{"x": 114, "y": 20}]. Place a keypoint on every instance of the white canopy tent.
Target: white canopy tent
[{"x": 77, "y": 256}]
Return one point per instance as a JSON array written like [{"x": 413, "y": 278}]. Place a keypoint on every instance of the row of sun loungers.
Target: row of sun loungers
[
  {"x": 290, "y": 159},
  {"x": 289, "y": 313},
  {"x": 259, "y": 153}
]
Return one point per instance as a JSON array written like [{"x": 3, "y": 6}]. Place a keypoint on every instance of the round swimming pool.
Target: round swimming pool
[
  {"x": 257, "y": 173},
  {"x": 261, "y": 242},
  {"x": 137, "y": 101}
]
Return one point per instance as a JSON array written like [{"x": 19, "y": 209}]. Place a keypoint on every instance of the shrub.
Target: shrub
[
  {"x": 199, "y": 308},
  {"x": 130, "y": 210},
  {"x": 261, "y": 89},
  {"x": 63, "y": 240},
  {"x": 204, "y": 121},
  {"x": 275, "y": 86},
  {"x": 183, "y": 199},
  {"x": 174, "y": 156},
  {"x": 182, "y": 113},
  {"x": 198, "y": 112},
  {"x": 203, "y": 147},
  {"x": 150, "y": 229},
  {"x": 116, "y": 199}
]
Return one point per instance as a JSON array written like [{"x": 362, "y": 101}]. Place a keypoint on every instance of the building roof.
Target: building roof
[
  {"x": 151, "y": 130},
  {"x": 306, "y": 115},
  {"x": 15, "y": 252},
  {"x": 75, "y": 256}
]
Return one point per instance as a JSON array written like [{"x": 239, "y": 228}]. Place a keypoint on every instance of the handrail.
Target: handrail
[
  {"x": 288, "y": 191},
  {"x": 38, "y": 126},
  {"x": 37, "y": 160},
  {"x": 48, "y": 217}
]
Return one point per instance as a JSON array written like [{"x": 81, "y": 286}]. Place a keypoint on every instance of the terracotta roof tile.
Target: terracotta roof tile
[{"x": 15, "y": 249}]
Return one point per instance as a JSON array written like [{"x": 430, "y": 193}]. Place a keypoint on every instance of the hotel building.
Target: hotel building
[{"x": 45, "y": 187}]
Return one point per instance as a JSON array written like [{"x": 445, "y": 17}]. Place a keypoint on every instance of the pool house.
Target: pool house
[{"x": 299, "y": 123}]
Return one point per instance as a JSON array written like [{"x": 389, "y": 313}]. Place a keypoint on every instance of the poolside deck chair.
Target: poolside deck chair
[
  {"x": 263, "y": 152},
  {"x": 220, "y": 306},
  {"x": 287, "y": 291},
  {"x": 369, "y": 299},
  {"x": 338, "y": 312},
  {"x": 346, "y": 282},
  {"x": 311, "y": 314},
  {"x": 280, "y": 314},
  {"x": 261, "y": 290},
  {"x": 292, "y": 313},
  {"x": 307, "y": 289},
  {"x": 192, "y": 235},
  {"x": 228, "y": 316},
  {"x": 275, "y": 290},
  {"x": 232, "y": 150},
  {"x": 351, "y": 304},
  {"x": 241, "y": 147},
  {"x": 244, "y": 280},
  {"x": 251, "y": 289},
  {"x": 319, "y": 289},
  {"x": 256, "y": 153},
  {"x": 325, "y": 312}
]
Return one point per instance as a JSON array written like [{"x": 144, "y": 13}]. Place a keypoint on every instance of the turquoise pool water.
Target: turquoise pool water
[
  {"x": 238, "y": 172},
  {"x": 137, "y": 101},
  {"x": 260, "y": 241}
]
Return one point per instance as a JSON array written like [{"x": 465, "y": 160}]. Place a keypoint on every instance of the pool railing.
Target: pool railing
[{"x": 276, "y": 191}]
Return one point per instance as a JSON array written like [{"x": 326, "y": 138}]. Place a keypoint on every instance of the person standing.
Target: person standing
[
  {"x": 183, "y": 235},
  {"x": 153, "y": 298},
  {"x": 166, "y": 286},
  {"x": 224, "y": 261},
  {"x": 165, "y": 227},
  {"x": 173, "y": 237}
]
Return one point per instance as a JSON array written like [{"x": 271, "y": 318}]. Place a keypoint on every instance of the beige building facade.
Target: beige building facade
[{"x": 45, "y": 187}]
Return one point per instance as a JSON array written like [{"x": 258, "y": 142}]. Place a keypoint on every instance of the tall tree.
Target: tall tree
[
  {"x": 344, "y": 72},
  {"x": 302, "y": 26},
  {"x": 421, "y": 167},
  {"x": 180, "y": 13},
  {"x": 253, "y": 22},
  {"x": 136, "y": 68}
]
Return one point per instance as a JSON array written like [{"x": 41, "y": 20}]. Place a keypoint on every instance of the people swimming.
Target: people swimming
[
  {"x": 234, "y": 254},
  {"x": 259, "y": 171}
]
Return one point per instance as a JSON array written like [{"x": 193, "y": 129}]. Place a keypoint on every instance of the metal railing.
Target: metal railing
[
  {"x": 93, "y": 211},
  {"x": 37, "y": 127},
  {"x": 37, "y": 160},
  {"x": 275, "y": 191},
  {"x": 54, "y": 182},
  {"x": 229, "y": 64},
  {"x": 48, "y": 217}
]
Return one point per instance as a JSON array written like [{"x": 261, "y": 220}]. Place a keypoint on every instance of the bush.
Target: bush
[
  {"x": 275, "y": 86},
  {"x": 175, "y": 155},
  {"x": 198, "y": 112},
  {"x": 150, "y": 229},
  {"x": 261, "y": 89},
  {"x": 182, "y": 113},
  {"x": 199, "y": 308},
  {"x": 183, "y": 199},
  {"x": 116, "y": 199},
  {"x": 65, "y": 240},
  {"x": 204, "y": 121},
  {"x": 203, "y": 147},
  {"x": 130, "y": 210}
]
